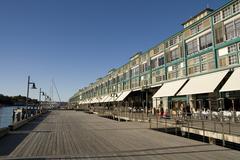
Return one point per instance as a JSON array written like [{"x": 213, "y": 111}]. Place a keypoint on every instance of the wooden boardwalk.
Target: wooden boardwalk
[{"x": 77, "y": 135}]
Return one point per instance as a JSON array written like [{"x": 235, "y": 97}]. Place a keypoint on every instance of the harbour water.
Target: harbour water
[{"x": 6, "y": 115}]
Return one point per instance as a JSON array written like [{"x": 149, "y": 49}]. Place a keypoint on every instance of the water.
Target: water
[{"x": 6, "y": 115}]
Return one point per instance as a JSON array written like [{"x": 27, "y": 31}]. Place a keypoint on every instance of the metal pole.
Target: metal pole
[
  {"x": 147, "y": 102},
  {"x": 210, "y": 107},
  {"x": 27, "y": 92},
  {"x": 233, "y": 115},
  {"x": 27, "y": 96},
  {"x": 40, "y": 95}
]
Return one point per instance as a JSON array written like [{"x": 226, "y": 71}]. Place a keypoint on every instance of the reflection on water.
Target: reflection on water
[{"x": 6, "y": 115}]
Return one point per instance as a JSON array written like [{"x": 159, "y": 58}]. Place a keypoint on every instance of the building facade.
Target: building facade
[{"x": 189, "y": 68}]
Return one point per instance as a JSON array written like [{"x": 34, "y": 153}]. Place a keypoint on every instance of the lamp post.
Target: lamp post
[
  {"x": 33, "y": 87},
  {"x": 114, "y": 96},
  {"x": 40, "y": 94},
  {"x": 144, "y": 89}
]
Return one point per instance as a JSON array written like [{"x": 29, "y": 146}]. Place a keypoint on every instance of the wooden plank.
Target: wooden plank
[{"x": 77, "y": 135}]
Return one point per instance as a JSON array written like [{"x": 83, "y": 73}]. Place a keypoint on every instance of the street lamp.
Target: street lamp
[
  {"x": 114, "y": 96},
  {"x": 33, "y": 87},
  {"x": 145, "y": 89},
  {"x": 40, "y": 94}
]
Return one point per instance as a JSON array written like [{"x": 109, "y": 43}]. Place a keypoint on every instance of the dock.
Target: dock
[{"x": 78, "y": 135}]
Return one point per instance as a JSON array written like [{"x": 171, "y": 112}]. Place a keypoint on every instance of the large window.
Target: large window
[
  {"x": 144, "y": 67},
  {"x": 229, "y": 58},
  {"x": 176, "y": 71},
  {"x": 135, "y": 83},
  {"x": 126, "y": 75},
  {"x": 120, "y": 78},
  {"x": 236, "y": 7},
  {"x": 173, "y": 55},
  {"x": 219, "y": 34},
  {"x": 158, "y": 61},
  {"x": 154, "y": 63},
  {"x": 145, "y": 79},
  {"x": 232, "y": 48},
  {"x": 201, "y": 63},
  {"x": 135, "y": 71},
  {"x": 232, "y": 29},
  {"x": 126, "y": 85},
  {"x": 205, "y": 41},
  {"x": 217, "y": 17},
  {"x": 207, "y": 62},
  {"x": 193, "y": 65},
  {"x": 227, "y": 12},
  {"x": 237, "y": 27},
  {"x": 173, "y": 41},
  {"x": 232, "y": 59},
  {"x": 192, "y": 47},
  {"x": 158, "y": 75},
  {"x": 230, "y": 32}
]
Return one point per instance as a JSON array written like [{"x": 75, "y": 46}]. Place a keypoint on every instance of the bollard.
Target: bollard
[
  {"x": 229, "y": 127},
  {"x": 214, "y": 125},
  {"x": 175, "y": 127},
  {"x": 150, "y": 125},
  {"x": 188, "y": 128},
  {"x": 223, "y": 139},
  {"x": 165, "y": 125},
  {"x": 203, "y": 128}
]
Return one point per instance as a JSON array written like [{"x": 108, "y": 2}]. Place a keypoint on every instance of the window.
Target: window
[
  {"x": 154, "y": 63},
  {"x": 135, "y": 71},
  {"x": 193, "y": 65},
  {"x": 227, "y": 12},
  {"x": 232, "y": 59},
  {"x": 173, "y": 73},
  {"x": 144, "y": 67},
  {"x": 158, "y": 75},
  {"x": 126, "y": 75},
  {"x": 166, "y": 45},
  {"x": 161, "y": 61},
  {"x": 236, "y": 7},
  {"x": 194, "y": 30},
  {"x": 232, "y": 48},
  {"x": 217, "y": 17},
  {"x": 219, "y": 34},
  {"x": 230, "y": 33},
  {"x": 158, "y": 61},
  {"x": 173, "y": 41},
  {"x": 205, "y": 41},
  {"x": 237, "y": 27},
  {"x": 174, "y": 54},
  {"x": 207, "y": 62},
  {"x": 192, "y": 47},
  {"x": 204, "y": 67}
]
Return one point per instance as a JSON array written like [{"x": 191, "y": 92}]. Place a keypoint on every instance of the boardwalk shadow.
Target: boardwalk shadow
[{"x": 9, "y": 142}]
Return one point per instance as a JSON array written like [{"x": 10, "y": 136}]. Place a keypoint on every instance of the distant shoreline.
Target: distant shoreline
[{"x": 10, "y": 105}]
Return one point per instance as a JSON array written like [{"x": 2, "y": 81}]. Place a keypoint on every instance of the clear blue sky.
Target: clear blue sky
[{"x": 77, "y": 41}]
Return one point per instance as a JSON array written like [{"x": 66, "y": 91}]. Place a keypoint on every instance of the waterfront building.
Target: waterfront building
[{"x": 198, "y": 66}]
